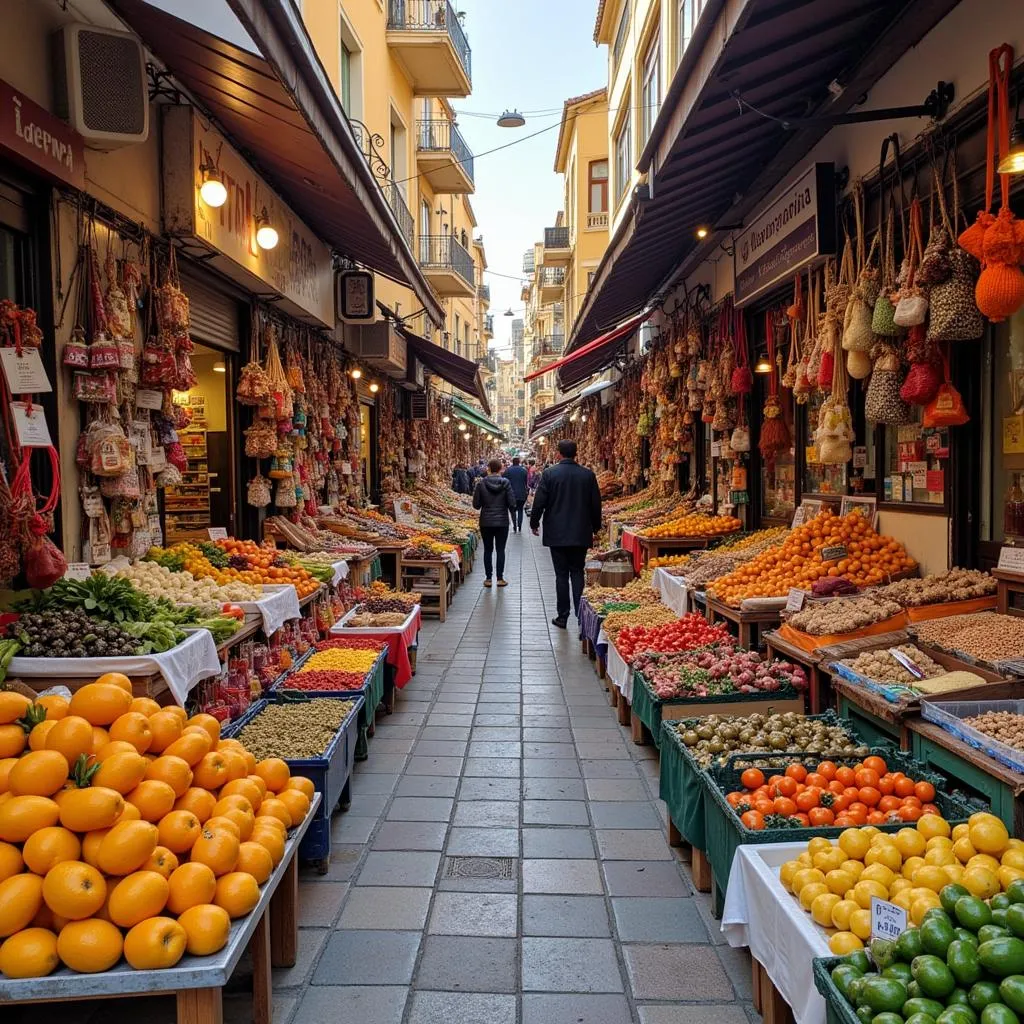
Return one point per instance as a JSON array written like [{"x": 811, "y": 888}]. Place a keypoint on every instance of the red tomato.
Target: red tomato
[
  {"x": 798, "y": 772},
  {"x": 821, "y": 816},
  {"x": 828, "y": 769},
  {"x": 753, "y": 820},
  {"x": 752, "y": 778}
]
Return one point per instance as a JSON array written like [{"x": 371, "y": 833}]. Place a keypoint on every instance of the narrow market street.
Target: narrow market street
[{"x": 504, "y": 858}]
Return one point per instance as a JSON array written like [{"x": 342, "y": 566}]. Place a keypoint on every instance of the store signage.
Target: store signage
[
  {"x": 217, "y": 533},
  {"x": 24, "y": 371},
  {"x": 78, "y": 571},
  {"x": 796, "y": 230},
  {"x": 796, "y": 599},
  {"x": 356, "y": 297},
  {"x": 31, "y": 135},
  {"x": 1011, "y": 560},
  {"x": 298, "y": 268},
  {"x": 1013, "y": 435},
  {"x": 888, "y": 921},
  {"x": 836, "y": 553}
]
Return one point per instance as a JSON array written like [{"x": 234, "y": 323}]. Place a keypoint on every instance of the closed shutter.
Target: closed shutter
[{"x": 216, "y": 315}]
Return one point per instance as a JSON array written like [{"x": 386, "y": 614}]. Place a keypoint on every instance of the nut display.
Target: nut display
[
  {"x": 1004, "y": 726},
  {"x": 645, "y": 616},
  {"x": 882, "y": 666},
  {"x": 295, "y": 731},
  {"x": 378, "y": 620},
  {"x": 982, "y": 635},
  {"x": 843, "y": 615},
  {"x": 954, "y": 585}
]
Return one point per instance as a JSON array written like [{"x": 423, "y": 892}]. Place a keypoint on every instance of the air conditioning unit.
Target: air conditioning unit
[
  {"x": 383, "y": 348},
  {"x": 101, "y": 87},
  {"x": 414, "y": 376},
  {"x": 419, "y": 405}
]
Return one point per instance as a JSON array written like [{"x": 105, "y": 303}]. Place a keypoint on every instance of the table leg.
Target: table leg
[
  {"x": 744, "y": 635},
  {"x": 637, "y": 730},
  {"x": 700, "y": 868},
  {"x": 675, "y": 837},
  {"x": 200, "y": 1006},
  {"x": 814, "y": 685},
  {"x": 755, "y": 983},
  {"x": 284, "y": 918},
  {"x": 624, "y": 710},
  {"x": 613, "y": 694},
  {"x": 262, "y": 991},
  {"x": 774, "y": 1009}
]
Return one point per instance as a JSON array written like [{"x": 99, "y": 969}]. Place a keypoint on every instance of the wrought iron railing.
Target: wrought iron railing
[
  {"x": 528, "y": 262},
  {"x": 439, "y": 135},
  {"x": 444, "y": 252},
  {"x": 552, "y": 277},
  {"x": 483, "y": 291},
  {"x": 556, "y": 238},
  {"x": 400, "y": 208},
  {"x": 431, "y": 16},
  {"x": 371, "y": 144},
  {"x": 489, "y": 323},
  {"x": 550, "y": 345}
]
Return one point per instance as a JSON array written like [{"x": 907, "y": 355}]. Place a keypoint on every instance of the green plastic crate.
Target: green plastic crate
[{"x": 837, "y": 1009}]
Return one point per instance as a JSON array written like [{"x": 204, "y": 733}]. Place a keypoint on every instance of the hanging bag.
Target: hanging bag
[
  {"x": 947, "y": 408},
  {"x": 935, "y": 266},
  {"x": 742, "y": 378},
  {"x": 774, "y": 439},
  {"x": 882, "y": 402},
  {"x": 912, "y": 305},
  {"x": 883, "y": 321},
  {"x": 857, "y": 335}
]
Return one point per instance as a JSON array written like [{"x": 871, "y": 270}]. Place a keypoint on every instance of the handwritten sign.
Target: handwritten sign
[
  {"x": 833, "y": 554},
  {"x": 860, "y": 456},
  {"x": 31, "y": 427},
  {"x": 25, "y": 373},
  {"x": 146, "y": 398},
  {"x": 405, "y": 511},
  {"x": 799, "y": 517},
  {"x": 78, "y": 571},
  {"x": 796, "y": 599},
  {"x": 888, "y": 921},
  {"x": 1011, "y": 559},
  {"x": 217, "y": 533}
]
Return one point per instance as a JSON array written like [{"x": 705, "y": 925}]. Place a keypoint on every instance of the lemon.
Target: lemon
[
  {"x": 852, "y": 867},
  {"x": 844, "y": 942},
  {"x": 854, "y": 842},
  {"x": 878, "y": 873},
  {"x": 910, "y": 865},
  {"x": 860, "y": 923},
  {"x": 1007, "y": 874},
  {"x": 870, "y": 830},
  {"x": 810, "y": 892},
  {"x": 909, "y": 842},
  {"x": 939, "y": 843},
  {"x": 931, "y": 876},
  {"x": 959, "y": 831},
  {"x": 921, "y": 906},
  {"x": 805, "y": 876},
  {"x": 1012, "y": 858},
  {"x": 821, "y": 908},
  {"x": 841, "y": 912},
  {"x": 839, "y": 881},
  {"x": 954, "y": 872},
  {"x": 983, "y": 860},
  {"x": 981, "y": 816},
  {"x": 962, "y": 849},
  {"x": 989, "y": 835},
  {"x": 980, "y": 882},
  {"x": 806, "y": 859},
  {"x": 787, "y": 871},
  {"x": 829, "y": 860},
  {"x": 899, "y": 884},
  {"x": 863, "y": 891},
  {"x": 931, "y": 825},
  {"x": 940, "y": 857},
  {"x": 819, "y": 844},
  {"x": 903, "y": 899},
  {"x": 1015, "y": 844},
  {"x": 886, "y": 854}
]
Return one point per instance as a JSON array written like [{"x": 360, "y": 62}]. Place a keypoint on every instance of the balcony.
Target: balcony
[
  {"x": 552, "y": 284},
  {"x": 528, "y": 262},
  {"x": 427, "y": 39},
  {"x": 489, "y": 326},
  {"x": 483, "y": 292},
  {"x": 444, "y": 158},
  {"x": 396, "y": 201},
  {"x": 597, "y": 221},
  {"x": 556, "y": 247},
  {"x": 447, "y": 265},
  {"x": 549, "y": 347}
]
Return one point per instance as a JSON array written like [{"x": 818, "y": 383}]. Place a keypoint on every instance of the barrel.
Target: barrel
[{"x": 616, "y": 574}]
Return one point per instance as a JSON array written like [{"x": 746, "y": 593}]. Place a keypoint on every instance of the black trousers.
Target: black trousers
[
  {"x": 494, "y": 537},
  {"x": 517, "y": 514},
  {"x": 569, "y": 563}
]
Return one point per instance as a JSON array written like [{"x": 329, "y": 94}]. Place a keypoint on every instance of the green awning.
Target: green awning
[{"x": 474, "y": 416}]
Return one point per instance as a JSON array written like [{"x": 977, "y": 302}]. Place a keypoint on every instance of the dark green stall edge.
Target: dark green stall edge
[
  {"x": 837, "y": 1009},
  {"x": 681, "y": 786},
  {"x": 875, "y": 730}
]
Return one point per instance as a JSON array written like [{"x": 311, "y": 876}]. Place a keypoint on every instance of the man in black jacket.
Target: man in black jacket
[
  {"x": 516, "y": 476},
  {"x": 493, "y": 496},
  {"x": 568, "y": 499},
  {"x": 460, "y": 480}
]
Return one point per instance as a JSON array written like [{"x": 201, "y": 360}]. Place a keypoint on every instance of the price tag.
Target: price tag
[
  {"x": 217, "y": 533},
  {"x": 157, "y": 459},
  {"x": 346, "y": 469},
  {"x": 887, "y": 920},
  {"x": 32, "y": 429},
  {"x": 1011, "y": 559},
  {"x": 796, "y": 599},
  {"x": 149, "y": 399},
  {"x": 860, "y": 456},
  {"x": 25, "y": 373},
  {"x": 799, "y": 517},
  {"x": 78, "y": 571},
  {"x": 836, "y": 553}
]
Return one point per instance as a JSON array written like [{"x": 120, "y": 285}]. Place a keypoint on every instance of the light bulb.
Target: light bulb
[
  {"x": 702, "y": 232},
  {"x": 446, "y": 419},
  {"x": 220, "y": 366},
  {"x": 357, "y": 373},
  {"x": 374, "y": 387},
  {"x": 462, "y": 427},
  {"x": 266, "y": 233},
  {"x": 213, "y": 191}
]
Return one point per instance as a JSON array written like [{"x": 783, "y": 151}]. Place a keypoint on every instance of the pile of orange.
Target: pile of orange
[
  {"x": 130, "y": 830},
  {"x": 260, "y": 568},
  {"x": 694, "y": 526},
  {"x": 865, "y": 793},
  {"x": 870, "y": 558}
]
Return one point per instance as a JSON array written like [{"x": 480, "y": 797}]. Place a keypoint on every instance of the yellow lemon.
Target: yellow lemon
[
  {"x": 806, "y": 859},
  {"x": 931, "y": 876},
  {"x": 962, "y": 849},
  {"x": 863, "y": 891},
  {"x": 878, "y": 873},
  {"x": 854, "y": 842},
  {"x": 805, "y": 876},
  {"x": 899, "y": 884},
  {"x": 860, "y": 923},
  {"x": 844, "y": 942},
  {"x": 819, "y": 844},
  {"x": 1012, "y": 858},
  {"x": 829, "y": 860},
  {"x": 954, "y": 872},
  {"x": 1015, "y": 844},
  {"x": 931, "y": 825},
  {"x": 939, "y": 843},
  {"x": 841, "y": 912},
  {"x": 903, "y": 899},
  {"x": 959, "y": 831},
  {"x": 983, "y": 860},
  {"x": 886, "y": 854},
  {"x": 940, "y": 856},
  {"x": 1006, "y": 875},
  {"x": 787, "y": 871},
  {"x": 821, "y": 908},
  {"x": 978, "y": 817},
  {"x": 909, "y": 842},
  {"x": 910, "y": 865},
  {"x": 980, "y": 882},
  {"x": 870, "y": 831},
  {"x": 810, "y": 892},
  {"x": 989, "y": 835},
  {"x": 839, "y": 881},
  {"x": 852, "y": 867},
  {"x": 921, "y": 906}
]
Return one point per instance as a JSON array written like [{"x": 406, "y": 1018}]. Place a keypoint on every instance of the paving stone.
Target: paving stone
[
  {"x": 445, "y": 732},
  {"x": 384, "y": 744},
  {"x": 614, "y": 789},
  {"x": 486, "y": 814},
  {"x": 374, "y": 957},
  {"x": 502, "y": 734},
  {"x": 603, "y": 751},
  {"x": 372, "y": 782},
  {"x": 572, "y": 916},
  {"x": 580, "y": 1009},
  {"x": 542, "y": 734},
  {"x": 366, "y": 1004},
  {"x": 366, "y": 805},
  {"x": 736, "y": 963},
  {"x": 427, "y": 785},
  {"x": 386, "y": 907},
  {"x": 421, "y": 765},
  {"x": 551, "y": 768},
  {"x": 458, "y": 913},
  {"x": 570, "y": 965},
  {"x": 311, "y": 941},
  {"x": 723, "y": 1013},
  {"x": 550, "y": 875},
  {"x": 555, "y": 812},
  {"x": 632, "y": 844},
  {"x": 410, "y": 835},
  {"x": 439, "y": 748},
  {"x": 344, "y": 861},
  {"x": 686, "y": 973},
  {"x": 495, "y": 749},
  {"x": 572, "y": 843},
  {"x": 553, "y": 789},
  {"x": 319, "y": 903},
  {"x": 483, "y": 842},
  {"x": 493, "y": 719},
  {"x": 644, "y": 878},
  {"x": 384, "y": 868},
  {"x": 659, "y": 919},
  {"x": 620, "y": 814},
  {"x": 493, "y": 768},
  {"x": 351, "y": 828},
  {"x": 457, "y": 964},
  {"x": 489, "y": 789},
  {"x": 461, "y": 1008},
  {"x": 608, "y": 769},
  {"x": 462, "y": 721},
  {"x": 420, "y": 808}
]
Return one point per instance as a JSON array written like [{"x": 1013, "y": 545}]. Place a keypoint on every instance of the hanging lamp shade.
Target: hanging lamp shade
[{"x": 511, "y": 119}]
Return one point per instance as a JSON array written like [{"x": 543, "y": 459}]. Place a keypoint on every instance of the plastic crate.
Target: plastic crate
[
  {"x": 837, "y": 1009},
  {"x": 949, "y": 715},
  {"x": 329, "y": 774}
]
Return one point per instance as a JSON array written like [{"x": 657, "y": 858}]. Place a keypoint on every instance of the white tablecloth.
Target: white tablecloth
[
  {"x": 341, "y": 572},
  {"x": 194, "y": 659},
  {"x": 761, "y": 915},
  {"x": 340, "y": 628},
  {"x": 620, "y": 673},
  {"x": 673, "y": 590},
  {"x": 279, "y": 603}
]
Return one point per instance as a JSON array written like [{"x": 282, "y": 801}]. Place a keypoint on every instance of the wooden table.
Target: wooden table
[
  {"x": 748, "y": 623},
  {"x": 390, "y": 555},
  {"x": 655, "y": 547},
  {"x": 1008, "y": 584},
  {"x": 270, "y": 933},
  {"x": 434, "y": 578},
  {"x": 778, "y": 647}
]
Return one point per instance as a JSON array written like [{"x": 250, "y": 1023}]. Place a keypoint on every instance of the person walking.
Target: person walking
[
  {"x": 568, "y": 501},
  {"x": 516, "y": 476},
  {"x": 493, "y": 497},
  {"x": 460, "y": 480}
]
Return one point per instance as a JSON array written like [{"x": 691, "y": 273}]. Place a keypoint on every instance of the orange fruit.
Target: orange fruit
[
  {"x": 199, "y": 801},
  {"x": 243, "y": 819},
  {"x": 115, "y": 679},
  {"x": 190, "y": 885},
  {"x": 223, "y": 823},
  {"x": 122, "y": 771},
  {"x": 21, "y": 896},
  {"x": 232, "y": 800},
  {"x": 112, "y": 748},
  {"x": 237, "y": 892},
  {"x": 100, "y": 703},
  {"x": 298, "y": 804},
  {"x": 162, "y": 861},
  {"x": 138, "y": 896},
  {"x": 6, "y": 767},
  {"x": 133, "y": 727},
  {"x": 155, "y": 944},
  {"x": 12, "y": 740},
  {"x": 235, "y": 760},
  {"x": 74, "y": 889},
  {"x": 20, "y": 816},
  {"x": 83, "y": 810},
  {"x": 256, "y": 860},
  {"x": 11, "y": 862},
  {"x": 191, "y": 747},
  {"x": 274, "y": 808},
  {"x": 126, "y": 847},
  {"x": 207, "y": 722},
  {"x": 259, "y": 783},
  {"x": 245, "y": 788},
  {"x": 302, "y": 784},
  {"x": 40, "y": 773},
  {"x": 89, "y": 946},
  {"x": 179, "y": 712},
  {"x": 31, "y": 953},
  {"x": 207, "y": 928},
  {"x": 100, "y": 738},
  {"x": 153, "y": 798},
  {"x": 50, "y": 846},
  {"x": 271, "y": 840},
  {"x": 56, "y": 706},
  {"x": 12, "y": 706},
  {"x": 165, "y": 728},
  {"x": 179, "y": 830},
  {"x": 91, "y": 846},
  {"x": 274, "y": 772},
  {"x": 172, "y": 770},
  {"x": 144, "y": 706},
  {"x": 130, "y": 813},
  {"x": 232, "y": 744},
  {"x": 72, "y": 736},
  {"x": 212, "y": 771},
  {"x": 217, "y": 849}
]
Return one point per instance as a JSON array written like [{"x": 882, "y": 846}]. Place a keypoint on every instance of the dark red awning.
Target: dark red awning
[
  {"x": 598, "y": 345},
  {"x": 458, "y": 371}
]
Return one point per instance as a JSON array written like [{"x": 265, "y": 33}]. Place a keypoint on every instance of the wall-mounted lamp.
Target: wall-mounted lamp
[
  {"x": 1013, "y": 162},
  {"x": 702, "y": 232},
  {"x": 462, "y": 427},
  {"x": 762, "y": 365},
  {"x": 266, "y": 233},
  {"x": 542, "y": 440},
  {"x": 374, "y": 388},
  {"x": 584, "y": 417},
  {"x": 212, "y": 191},
  {"x": 355, "y": 373},
  {"x": 446, "y": 419},
  {"x": 220, "y": 366}
]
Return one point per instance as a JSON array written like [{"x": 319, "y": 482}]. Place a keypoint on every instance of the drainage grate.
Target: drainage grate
[{"x": 479, "y": 867}]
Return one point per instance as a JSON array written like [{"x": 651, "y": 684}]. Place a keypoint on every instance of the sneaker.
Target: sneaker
[
  {"x": 502, "y": 583},
  {"x": 560, "y": 623},
  {"x": 487, "y": 583}
]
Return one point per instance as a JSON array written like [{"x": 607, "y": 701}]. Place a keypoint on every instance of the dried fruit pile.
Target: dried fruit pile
[
  {"x": 129, "y": 831},
  {"x": 985, "y": 635}
]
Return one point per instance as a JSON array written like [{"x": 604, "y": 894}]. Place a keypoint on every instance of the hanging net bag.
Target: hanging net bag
[{"x": 774, "y": 439}]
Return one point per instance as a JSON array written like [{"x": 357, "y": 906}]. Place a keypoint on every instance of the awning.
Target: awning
[
  {"x": 474, "y": 416},
  {"x": 461, "y": 373},
  {"x": 782, "y": 57},
  {"x": 597, "y": 354},
  {"x": 549, "y": 417},
  {"x": 282, "y": 112},
  {"x": 595, "y": 389}
]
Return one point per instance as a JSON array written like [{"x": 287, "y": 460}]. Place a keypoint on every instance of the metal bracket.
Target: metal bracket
[{"x": 161, "y": 85}]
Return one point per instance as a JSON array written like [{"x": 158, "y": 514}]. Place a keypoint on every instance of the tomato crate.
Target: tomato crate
[
  {"x": 330, "y": 774},
  {"x": 724, "y": 831},
  {"x": 837, "y": 1009}
]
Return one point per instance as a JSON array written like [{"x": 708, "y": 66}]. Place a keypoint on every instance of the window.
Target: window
[
  {"x": 424, "y": 231},
  {"x": 346, "y": 78},
  {"x": 623, "y": 155},
  {"x": 465, "y": 339},
  {"x": 650, "y": 94},
  {"x": 689, "y": 13},
  {"x": 457, "y": 322},
  {"x": 598, "y": 186},
  {"x": 350, "y": 70},
  {"x": 464, "y": 238},
  {"x": 591, "y": 274},
  {"x": 620, "y": 34}
]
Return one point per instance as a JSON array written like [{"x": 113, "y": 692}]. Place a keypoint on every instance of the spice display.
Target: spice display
[
  {"x": 984, "y": 636},
  {"x": 325, "y": 680},
  {"x": 883, "y": 665},
  {"x": 295, "y": 731},
  {"x": 935, "y": 588},
  {"x": 341, "y": 659},
  {"x": 719, "y": 670},
  {"x": 843, "y": 615}
]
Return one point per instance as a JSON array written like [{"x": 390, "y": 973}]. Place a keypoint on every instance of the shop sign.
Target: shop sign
[
  {"x": 796, "y": 230},
  {"x": 298, "y": 268},
  {"x": 1013, "y": 435},
  {"x": 32, "y": 135}
]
